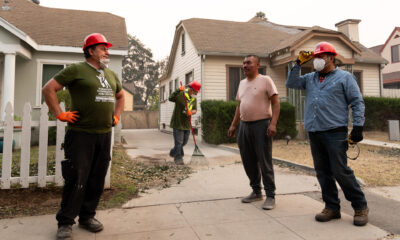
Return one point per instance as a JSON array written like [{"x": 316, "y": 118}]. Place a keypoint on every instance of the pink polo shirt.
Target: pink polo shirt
[{"x": 254, "y": 98}]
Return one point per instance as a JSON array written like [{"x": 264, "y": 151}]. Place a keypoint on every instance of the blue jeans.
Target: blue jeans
[
  {"x": 181, "y": 137},
  {"x": 328, "y": 149}
]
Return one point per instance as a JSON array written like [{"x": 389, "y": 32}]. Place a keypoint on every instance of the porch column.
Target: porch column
[{"x": 8, "y": 82}]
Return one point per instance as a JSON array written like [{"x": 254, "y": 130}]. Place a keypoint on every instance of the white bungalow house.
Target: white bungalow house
[
  {"x": 36, "y": 42},
  {"x": 390, "y": 50},
  {"x": 212, "y": 51}
]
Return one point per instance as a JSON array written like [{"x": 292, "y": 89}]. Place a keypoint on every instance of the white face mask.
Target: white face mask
[
  {"x": 104, "y": 62},
  {"x": 319, "y": 64}
]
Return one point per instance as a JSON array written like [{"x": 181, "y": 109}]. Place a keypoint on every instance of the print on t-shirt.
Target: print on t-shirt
[{"x": 105, "y": 92}]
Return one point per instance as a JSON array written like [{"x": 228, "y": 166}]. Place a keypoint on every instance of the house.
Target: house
[
  {"x": 390, "y": 50},
  {"x": 128, "y": 89},
  {"x": 212, "y": 51},
  {"x": 36, "y": 42}
]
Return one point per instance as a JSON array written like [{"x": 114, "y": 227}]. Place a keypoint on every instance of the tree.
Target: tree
[{"x": 140, "y": 68}]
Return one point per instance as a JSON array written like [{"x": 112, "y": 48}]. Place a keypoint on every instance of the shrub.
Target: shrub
[
  {"x": 217, "y": 117},
  {"x": 378, "y": 110}
]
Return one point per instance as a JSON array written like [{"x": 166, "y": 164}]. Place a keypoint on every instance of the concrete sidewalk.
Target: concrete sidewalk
[{"x": 205, "y": 206}]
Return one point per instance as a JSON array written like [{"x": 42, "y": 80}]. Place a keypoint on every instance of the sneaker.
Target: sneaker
[
  {"x": 269, "y": 203},
  {"x": 361, "y": 217},
  {"x": 252, "y": 197},
  {"x": 91, "y": 224},
  {"x": 64, "y": 232},
  {"x": 327, "y": 215}
]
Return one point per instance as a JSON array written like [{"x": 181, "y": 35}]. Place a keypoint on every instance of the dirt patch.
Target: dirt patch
[
  {"x": 128, "y": 178},
  {"x": 377, "y": 166}
]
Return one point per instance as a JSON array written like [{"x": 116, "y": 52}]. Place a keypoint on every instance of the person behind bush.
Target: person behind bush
[
  {"x": 329, "y": 92},
  {"x": 257, "y": 127}
]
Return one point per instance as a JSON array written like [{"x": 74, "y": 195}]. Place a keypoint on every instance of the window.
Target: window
[
  {"x": 176, "y": 83},
  {"x": 395, "y": 53},
  {"x": 188, "y": 78},
  {"x": 171, "y": 83},
  {"x": 235, "y": 75},
  {"x": 183, "y": 43},
  {"x": 48, "y": 72},
  {"x": 162, "y": 93},
  {"x": 358, "y": 76}
]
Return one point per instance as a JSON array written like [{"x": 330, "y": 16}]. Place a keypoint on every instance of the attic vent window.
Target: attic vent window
[
  {"x": 183, "y": 43},
  {"x": 397, "y": 36}
]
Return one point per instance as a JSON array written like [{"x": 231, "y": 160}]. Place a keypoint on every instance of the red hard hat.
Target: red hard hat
[
  {"x": 195, "y": 85},
  {"x": 95, "y": 38},
  {"x": 324, "y": 47}
]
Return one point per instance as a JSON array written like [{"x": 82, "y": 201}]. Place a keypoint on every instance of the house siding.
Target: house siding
[
  {"x": 370, "y": 79},
  {"x": 183, "y": 64},
  {"x": 387, "y": 54},
  {"x": 28, "y": 78}
]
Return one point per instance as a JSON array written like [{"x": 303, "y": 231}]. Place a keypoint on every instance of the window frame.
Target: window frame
[
  {"x": 170, "y": 86},
  {"x": 361, "y": 79},
  {"x": 392, "y": 50},
  {"x": 162, "y": 93},
  {"x": 183, "y": 44},
  {"x": 39, "y": 75},
  {"x": 187, "y": 73},
  {"x": 228, "y": 66}
]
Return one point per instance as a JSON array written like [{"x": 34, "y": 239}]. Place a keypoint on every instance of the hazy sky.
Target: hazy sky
[{"x": 154, "y": 21}]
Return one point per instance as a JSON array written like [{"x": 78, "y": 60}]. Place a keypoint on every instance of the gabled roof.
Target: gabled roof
[
  {"x": 396, "y": 29},
  {"x": 227, "y": 37},
  {"x": 129, "y": 86},
  {"x": 258, "y": 36},
  {"x": 376, "y": 49},
  {"x": 62, "y": 27}
]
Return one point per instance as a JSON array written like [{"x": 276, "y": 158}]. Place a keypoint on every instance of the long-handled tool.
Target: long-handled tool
[{"x": 198, "y": 157}]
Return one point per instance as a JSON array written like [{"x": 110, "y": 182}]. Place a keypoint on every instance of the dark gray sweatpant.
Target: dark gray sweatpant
[{"x": 256, "y": 152}]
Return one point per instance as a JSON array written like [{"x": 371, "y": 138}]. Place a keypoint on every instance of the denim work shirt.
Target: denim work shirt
[{"x": 327, "y": 102}]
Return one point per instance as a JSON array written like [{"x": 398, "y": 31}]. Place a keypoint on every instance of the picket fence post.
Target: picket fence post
[
  {"x": 7, "y": 147},
  {"x": 43, "y": 142},
  {"x": 25, "y": 146},
  {"x": 59, "y": 180}
]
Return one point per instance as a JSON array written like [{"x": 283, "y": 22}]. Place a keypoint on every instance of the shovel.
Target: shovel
[{"x": 198, "y": 157}]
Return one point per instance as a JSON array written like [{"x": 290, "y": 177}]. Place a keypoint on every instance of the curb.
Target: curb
[{"x": 287, "y": 163}]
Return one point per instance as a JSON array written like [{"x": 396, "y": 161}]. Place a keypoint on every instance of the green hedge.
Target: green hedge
[
  {"x": 378, "y": 110},
  {"x": 217, "y": 116}
]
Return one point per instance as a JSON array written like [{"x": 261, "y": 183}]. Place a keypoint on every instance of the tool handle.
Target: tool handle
[{"x": 190, "y": 119}]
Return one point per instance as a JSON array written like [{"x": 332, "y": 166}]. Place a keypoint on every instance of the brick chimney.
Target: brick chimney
[{"x": 350, "y": 28}]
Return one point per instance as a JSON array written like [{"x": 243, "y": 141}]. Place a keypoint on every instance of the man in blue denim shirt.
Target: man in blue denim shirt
[{"x": 329, "y": 92}]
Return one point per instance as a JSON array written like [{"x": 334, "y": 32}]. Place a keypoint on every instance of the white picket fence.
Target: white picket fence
[
  {"x": 392, "y": 93},
  {"x": 42, "y": 178}
]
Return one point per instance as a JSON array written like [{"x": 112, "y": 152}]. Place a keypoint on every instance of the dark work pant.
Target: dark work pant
[
  {"x": 87, "y": 157},
  {"x": 328, "y": 149},
  {"x": 181, "y": 138},
  {"x": 256, "y": 152}
]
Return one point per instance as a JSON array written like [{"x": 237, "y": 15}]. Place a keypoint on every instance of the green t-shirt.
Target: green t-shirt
[
  {"x": 92, "y": 95},
  {"x": 179, "y": 119}
]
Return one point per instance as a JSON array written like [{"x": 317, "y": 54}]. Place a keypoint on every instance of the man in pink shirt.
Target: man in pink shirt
[{"x": 257, "y": 126}]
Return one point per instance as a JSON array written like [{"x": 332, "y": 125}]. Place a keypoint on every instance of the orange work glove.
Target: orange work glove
[
  {"x": 189, "y": 113},
  {"x": 68, "y": 116},
  {"x": 116, "y": 120},
  {"x": 182, "y": 88}
]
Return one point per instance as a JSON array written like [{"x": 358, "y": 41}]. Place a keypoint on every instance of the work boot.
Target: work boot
[
  {"x": 64, "y": 232},
  {"x": 91, "y": 224},
  {"x": 361, "y": 217},
  {"x": 327, "y": 215},
  {"x": 269, "y": 203},
  {"x": 252, "y": 197}
]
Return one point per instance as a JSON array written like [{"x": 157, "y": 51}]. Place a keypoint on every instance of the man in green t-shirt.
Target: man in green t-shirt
[
  {"x": 181, "y": 117},
  {"x": 96, "y": 105}
]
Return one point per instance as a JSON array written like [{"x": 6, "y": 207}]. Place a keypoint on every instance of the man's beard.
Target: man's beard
[{"x": 104, "y": 62}]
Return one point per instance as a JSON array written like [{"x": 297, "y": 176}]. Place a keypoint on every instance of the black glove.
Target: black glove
[
  {"x": 304, "y": 56},
  {"x": 356, "y": 134}
]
